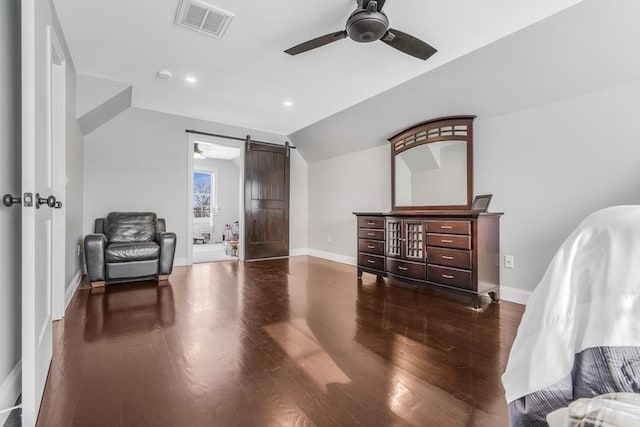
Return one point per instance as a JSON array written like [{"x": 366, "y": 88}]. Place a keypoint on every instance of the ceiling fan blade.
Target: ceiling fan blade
[
  {"x": 317, "y": 42},
  {"x": 408, "y": 44}
]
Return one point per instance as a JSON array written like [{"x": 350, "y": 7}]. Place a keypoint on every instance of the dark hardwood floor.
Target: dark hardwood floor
[{"x": 288, "y": 342}]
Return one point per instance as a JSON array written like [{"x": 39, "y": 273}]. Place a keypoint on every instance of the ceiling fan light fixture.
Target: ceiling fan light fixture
[
  {"x": 198, "y": 153},
  {"x": 365, "y": 26}
]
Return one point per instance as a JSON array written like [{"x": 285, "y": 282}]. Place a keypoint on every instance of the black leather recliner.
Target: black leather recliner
[{"x": 129, "y": 246}]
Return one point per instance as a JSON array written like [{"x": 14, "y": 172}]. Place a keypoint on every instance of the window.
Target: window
[{"x": 203, "y": 194}]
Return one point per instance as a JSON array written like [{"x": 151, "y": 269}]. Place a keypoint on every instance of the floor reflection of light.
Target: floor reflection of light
[
  {"x": 417, "y": 401},
  {"x": 207, "y": 367},
  {"x": 399, "y": 393},
  {"x": 300, "y": 344}
]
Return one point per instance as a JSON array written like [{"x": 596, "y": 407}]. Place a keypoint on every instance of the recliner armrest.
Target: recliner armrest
[
  {"x": 94, "y": 245},
  {"x": 167, "y": 242}
]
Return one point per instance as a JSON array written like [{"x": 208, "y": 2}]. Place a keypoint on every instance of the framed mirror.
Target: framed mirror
[{"x": 432, "y": 165}]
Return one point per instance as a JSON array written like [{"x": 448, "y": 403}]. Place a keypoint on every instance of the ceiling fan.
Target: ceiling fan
[
  {"x": 367, "y": 24},
  {"x": 197, "y": 152}
]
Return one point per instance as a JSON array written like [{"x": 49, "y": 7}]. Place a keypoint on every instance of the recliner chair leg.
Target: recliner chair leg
[
  {"x": 99, "y": 284},
  {"x": 163, "y": 278}
]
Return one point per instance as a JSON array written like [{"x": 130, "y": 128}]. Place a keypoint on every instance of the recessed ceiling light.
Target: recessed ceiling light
[
  {"x": 288, "y": 103},
  {"x": 190, "y": 79}
]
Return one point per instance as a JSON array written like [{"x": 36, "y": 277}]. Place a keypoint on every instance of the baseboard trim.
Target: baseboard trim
[
  {"x": 10, "y": 390},
  {"x": 179, "y": 261},
  {"x": 71, "y": 288},
  {"x": 516, "y": 295},
  {"x": 507, "y": 293},
  {"x": 299, "y": 252},
  {"x": 343, "y": 259}
]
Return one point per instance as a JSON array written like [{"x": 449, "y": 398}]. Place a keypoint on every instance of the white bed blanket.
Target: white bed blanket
[
  {"x": 588, "y": 297},
  {"x": 607, "y": 410}
]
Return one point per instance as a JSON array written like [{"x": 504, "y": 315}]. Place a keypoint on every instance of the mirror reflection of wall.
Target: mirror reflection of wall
[{"x": 432, "y": 174}]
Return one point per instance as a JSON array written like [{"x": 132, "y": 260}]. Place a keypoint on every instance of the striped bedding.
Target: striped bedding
[{"x": 596, "y": 371}]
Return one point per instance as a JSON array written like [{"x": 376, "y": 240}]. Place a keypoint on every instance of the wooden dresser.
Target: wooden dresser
[{"x": 458, "y": 251}]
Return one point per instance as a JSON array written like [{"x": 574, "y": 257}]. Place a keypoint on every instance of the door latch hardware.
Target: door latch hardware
[
  {"x": 8, "y": 200},
  {"x": 49, "y": 201},
  {"x": 28, "y": 199}
]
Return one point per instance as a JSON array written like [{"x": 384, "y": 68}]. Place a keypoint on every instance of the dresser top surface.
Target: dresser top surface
[{"x": 442, "y": 213}]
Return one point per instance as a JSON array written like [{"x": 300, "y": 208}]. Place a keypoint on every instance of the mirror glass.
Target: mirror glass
[{"x": 432, "y": 174}]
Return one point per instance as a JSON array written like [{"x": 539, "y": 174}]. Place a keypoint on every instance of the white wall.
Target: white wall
[
  {"x": 547, "y": 167},
  {"x": 298, "y": 205},
  {"x": 228, "y": 193},
  {"x": 356, "y": 182},
  {"x": 10, "y": 231},
  {"x": 138, "y": 161}
]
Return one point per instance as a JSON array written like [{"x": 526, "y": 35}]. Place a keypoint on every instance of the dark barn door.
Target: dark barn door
[{"x": 266, "y": 195}]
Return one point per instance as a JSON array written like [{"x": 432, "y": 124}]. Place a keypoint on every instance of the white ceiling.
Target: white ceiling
[
  {"x": 585, "y": 48},
  {"x": 218, "y": 151},
  {"x": 244, "y": 78}
]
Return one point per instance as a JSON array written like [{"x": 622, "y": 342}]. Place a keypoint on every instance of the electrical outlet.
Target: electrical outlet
[
  {"x": 509, "y": 262},
  {"x": 329, "y": 238},
  {"x": 78, "y": 249}
]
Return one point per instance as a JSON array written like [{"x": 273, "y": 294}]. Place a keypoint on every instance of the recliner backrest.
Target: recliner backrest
[{"x": 130, "y": 226}]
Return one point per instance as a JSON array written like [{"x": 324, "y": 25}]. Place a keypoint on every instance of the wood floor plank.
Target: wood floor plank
[{"x": 294, "y": 342}]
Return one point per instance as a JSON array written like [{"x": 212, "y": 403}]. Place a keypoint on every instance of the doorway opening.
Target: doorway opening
[{"x": 215, "y": 199}]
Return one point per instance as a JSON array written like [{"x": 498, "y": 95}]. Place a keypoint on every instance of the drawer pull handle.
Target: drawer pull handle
[
  {"x": 371, "y": 223},
  {"x": 446, "y": 226},
  {"x": 370, "y": 261},
  {"x": 402, "y": 268},
  {"x": 371, "y": 247},
  {"x": 371, "y": 234},
  {"x": 446, "y": 276},
  {"x": 447, "y": 257},
  {"x": 446, "y": 241}
]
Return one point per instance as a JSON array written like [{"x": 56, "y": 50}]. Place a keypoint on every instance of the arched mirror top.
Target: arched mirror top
[{"x": 432, "y": 165}]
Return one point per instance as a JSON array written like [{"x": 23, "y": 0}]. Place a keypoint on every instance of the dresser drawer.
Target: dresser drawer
[
  {"x": 369, "y": 233},
  {"x": 449, "y": 257},
  {"x": 449, "y": 227},
  {"x": 453, "y": 241},
  {"x": 371, "y": 261},
  {"x": 371, "y": 222},
  {"x": 449, "y": 276},
  {"x": 371, "y": 246},
  {"x": 407, "y": 269}
]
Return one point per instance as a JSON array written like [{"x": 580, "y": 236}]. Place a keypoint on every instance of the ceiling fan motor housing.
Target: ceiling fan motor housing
[{"x": 365, "y": 26}]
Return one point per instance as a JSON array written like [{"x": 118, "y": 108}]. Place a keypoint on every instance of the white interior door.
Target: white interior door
[
  {"x": 38, "y": 172},
  {"x": 10, "y": 293}
]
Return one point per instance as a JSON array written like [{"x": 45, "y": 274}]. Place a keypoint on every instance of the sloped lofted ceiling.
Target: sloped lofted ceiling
[
  {"x": 587, "y": 47},
  {"x": 245, "y": 78}
]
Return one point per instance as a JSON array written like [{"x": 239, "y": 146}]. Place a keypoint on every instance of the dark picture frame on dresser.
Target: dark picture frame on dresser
[
  {"x": 445, "y": 245},
  {"x": 481, "y": 203}
]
